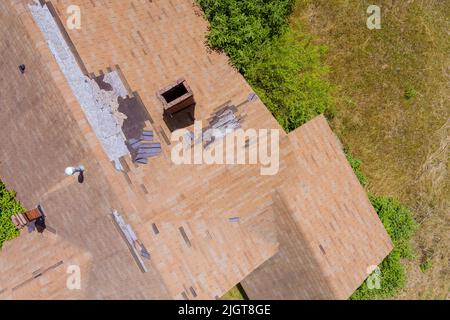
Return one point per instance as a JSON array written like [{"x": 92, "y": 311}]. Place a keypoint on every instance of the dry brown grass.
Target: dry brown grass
[{"x": 403, "y": 143}]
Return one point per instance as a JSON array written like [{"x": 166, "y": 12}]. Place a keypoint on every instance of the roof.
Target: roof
[
  {"x": 196, "y": 253},
  {"x": 329, "y": 234},
  {"x": 43, "y": 138}
]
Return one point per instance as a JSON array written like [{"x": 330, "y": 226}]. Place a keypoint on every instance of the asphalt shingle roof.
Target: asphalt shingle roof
[{"x": 309, "y": 231}]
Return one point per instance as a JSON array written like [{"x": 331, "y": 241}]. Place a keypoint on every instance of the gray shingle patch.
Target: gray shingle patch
[{"x": 101, "y": 107}]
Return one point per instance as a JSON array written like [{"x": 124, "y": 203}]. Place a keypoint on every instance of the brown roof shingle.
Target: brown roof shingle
[{"x": 329, "y": 234}]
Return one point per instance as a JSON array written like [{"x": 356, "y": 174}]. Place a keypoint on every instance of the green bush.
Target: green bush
[
  {"x": 397, "y": 221},
  {"x": 400, "y": 226},
  {"x": 288, "y": 76},
  {"x": 8, "y": 207},
  {"x": 242, "y": 27},
  {"x": 282, "y": 64},
  {"x": 356, "y": 166}
]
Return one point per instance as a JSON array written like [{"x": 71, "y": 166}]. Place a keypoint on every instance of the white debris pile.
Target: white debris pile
[{"x": 100, "y": 107}]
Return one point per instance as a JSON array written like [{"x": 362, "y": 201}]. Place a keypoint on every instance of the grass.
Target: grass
[
  {"x": 288, "y": 76},
  {"x": 426, "y": 265},
  {"x": 236, "y": 293},
  {"x": 390, "y": 97},
  {"x": 8, "y": 206},
  {"x": 283, "y": 65},
  {"x": 400, "y": 226},
  {"x": 392, "y": 110}
]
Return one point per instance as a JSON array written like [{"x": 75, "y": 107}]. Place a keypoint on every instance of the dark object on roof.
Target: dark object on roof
[
  {"x": 40, "y": 225},
  {"x": 136, "y": 114},
  {"x": 144, "y": 253},
  {"x": 143, "y": 148},
  {"x": 81, "y": 177},
  {"x": 151, "y": 145},
  {"x": 179, "y": 105},
  {"x": 252, "y": 97},
  {"x": 176, "y": 97},
  {"x": 185, "y": 237},
  {"x": 142, "y": 160},
  {"x": 135, "y": 144},
  {"x": 225, "y": 120},
  {"x": 22, "y": 68}
]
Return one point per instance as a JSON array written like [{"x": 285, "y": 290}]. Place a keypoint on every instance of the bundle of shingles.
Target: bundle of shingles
[
  {"x": 224, "y": 121},
  {"x": 144, "y": 147}
]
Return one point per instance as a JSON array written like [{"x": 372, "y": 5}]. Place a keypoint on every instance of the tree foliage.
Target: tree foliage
[{"x": 8, "y": 206}]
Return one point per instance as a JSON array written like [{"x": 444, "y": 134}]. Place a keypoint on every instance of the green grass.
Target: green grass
[
  {"x": 283, "y": 65},
  {"x": 288, "y": 75},
  {"x": 410, "y": 93},
  {"x": 236, "y": 293},
  {"x": 356, "y": 166},
  {"x": 400, "y": 226},
  {"x": 8, "y": 206},
  {"x": 392, "y": 103},
  {"x": 426, "y": 265}
]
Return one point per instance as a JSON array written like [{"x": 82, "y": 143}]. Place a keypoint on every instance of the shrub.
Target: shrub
[
  {"x": 282, "y": 64},
  {"x": 397, "y": 221},
  {"x": 8, "y": 207},
  {"x": 410, "y": 93},
  {"x": 356, "y": 166},
  {"x": 400, "y": 226},
  {"x": 288, "y": 76}
]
